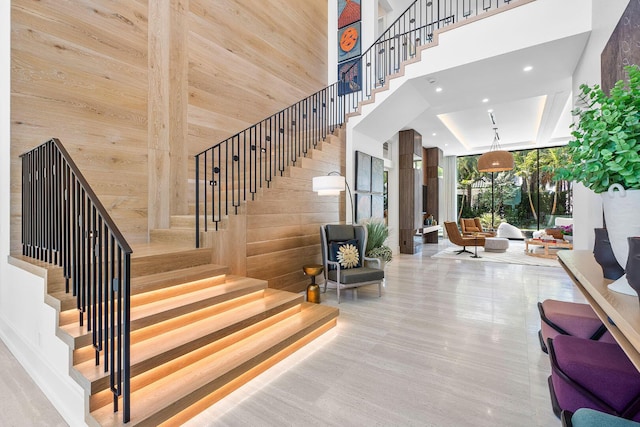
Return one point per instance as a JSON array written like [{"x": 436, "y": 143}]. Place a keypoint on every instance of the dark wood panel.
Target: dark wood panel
[
  {"x": 623, "y": 47},
  {"x": 431, "y": 163},
  {"x": 410, "y": 188}
]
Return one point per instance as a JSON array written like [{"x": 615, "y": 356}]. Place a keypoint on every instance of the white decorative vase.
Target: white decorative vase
[{"x": 622, "y": 215}]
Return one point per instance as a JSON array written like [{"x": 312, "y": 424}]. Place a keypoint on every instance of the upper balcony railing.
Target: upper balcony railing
[
  {"x": 235, "y": 169},
  {"x": 64, "y": 223}
]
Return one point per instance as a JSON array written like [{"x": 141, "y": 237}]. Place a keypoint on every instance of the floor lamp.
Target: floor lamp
[{"x": 331, "y": 185}]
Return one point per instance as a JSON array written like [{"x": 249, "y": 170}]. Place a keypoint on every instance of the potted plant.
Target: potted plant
[
  {"x": 605, "y": 154},
  {"x": 567, "y": 232},
  {"x": 377, "y": 232}
]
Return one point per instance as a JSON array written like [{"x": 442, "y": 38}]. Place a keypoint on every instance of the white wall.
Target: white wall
[
  {"x": 587, "y": 206},
  {"x": 27, "y": 325},
  {"x": 600, "y": 20}
]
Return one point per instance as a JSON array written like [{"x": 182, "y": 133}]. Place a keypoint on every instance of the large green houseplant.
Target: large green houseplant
[
  {"x": 605, "y": 148},
  {"x": 605, "y": 154}
]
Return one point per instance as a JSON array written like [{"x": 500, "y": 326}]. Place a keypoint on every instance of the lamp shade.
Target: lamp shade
[
  {"x": 495, "y": 161},
  {"x": 329, "y": 185}
]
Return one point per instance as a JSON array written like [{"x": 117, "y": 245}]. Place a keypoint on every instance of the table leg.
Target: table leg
[{"x": 475, "y": 251}]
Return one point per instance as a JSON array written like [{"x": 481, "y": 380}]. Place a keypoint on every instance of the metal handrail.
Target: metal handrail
[
  {"x": 236, "y": 168},
  {"x": 64, "y": 223}
]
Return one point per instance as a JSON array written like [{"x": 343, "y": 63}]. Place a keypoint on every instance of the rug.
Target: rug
[{"x": 514, "y": 255}]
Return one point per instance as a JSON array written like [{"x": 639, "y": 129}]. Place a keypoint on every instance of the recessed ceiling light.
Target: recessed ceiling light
[
  {"x": 528, "y": 68},
  {"x": 490, "y": 110},
  {"x": 446, "y": 145},
  {"x": 438, "y": 89},
  {"x": 433, "y": 134},
  {"x": 485, "y": 100}
]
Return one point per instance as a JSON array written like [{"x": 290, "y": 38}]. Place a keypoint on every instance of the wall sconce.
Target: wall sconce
[{"x": 331, "y": 185}]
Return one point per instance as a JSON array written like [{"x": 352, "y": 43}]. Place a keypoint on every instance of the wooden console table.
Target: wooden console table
[{"x": 623, "y": 310}]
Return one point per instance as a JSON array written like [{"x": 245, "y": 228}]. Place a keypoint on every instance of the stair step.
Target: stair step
[
  {"x": 153, "y": 282},
  {"x": 145, "y": 261},
  {"x": 221, "y": 371},
  {"x": 160, "y": 343},
  {"x": 321, "y": 167},
  {"x": 147, "y": 309},
  {"x": 173, "y": 235}
]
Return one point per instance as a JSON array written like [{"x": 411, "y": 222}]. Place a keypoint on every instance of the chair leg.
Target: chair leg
[
  {"x": 379, "y": 289},
  {"x": 338, "y": 292},
  {"x": 464, "y": 249}
]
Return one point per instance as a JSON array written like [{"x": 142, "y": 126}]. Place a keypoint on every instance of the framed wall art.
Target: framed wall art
[
  {"x": 349, "y": 42},
  {"x": 363, "y": 172},
  {"x": 348, "y": 12},
  {"x": 377, "y": 175},
  {"x": 351, "y": 72},
  {"x": 363, "y": 206}
]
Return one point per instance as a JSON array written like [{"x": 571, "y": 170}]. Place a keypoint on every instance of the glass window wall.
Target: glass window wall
[{"x": 526, "y": 197}]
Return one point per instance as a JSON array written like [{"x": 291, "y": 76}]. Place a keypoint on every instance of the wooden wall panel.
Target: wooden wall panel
[
  {"x": 134, "y": 89},
  {"x": 283, "y": 224},
  {"x": 250, "y": 59},
  {"x": 79, "y": 73}
]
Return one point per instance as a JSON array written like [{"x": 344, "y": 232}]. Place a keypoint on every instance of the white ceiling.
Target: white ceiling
[{"x": 531, "y": 109}]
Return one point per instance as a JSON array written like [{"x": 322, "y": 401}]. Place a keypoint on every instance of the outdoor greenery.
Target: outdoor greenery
[
  {"x": 528, "y": 196},
  {"x": 606, "y": 145},
  {"x": 377, "y": 231}
]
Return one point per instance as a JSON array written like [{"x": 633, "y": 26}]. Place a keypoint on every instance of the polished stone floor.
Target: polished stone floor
[
  {"x": 449, "y": 343},
  {"x": 22, "y": 403}
]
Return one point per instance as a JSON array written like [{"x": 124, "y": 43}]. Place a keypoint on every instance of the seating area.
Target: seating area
[
  {"x": 343, "y": 259},
  {"x": 458, "y": 239},
  {"x": 469, "y": 226}
]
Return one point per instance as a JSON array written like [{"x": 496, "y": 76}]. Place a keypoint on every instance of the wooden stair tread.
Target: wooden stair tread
[
  {"x": 144, "y": 314},
  {"x": 210, "y": 295},
  {"x": 175, "y": 392},
  {"x": 175, "y": 277},
  {"x": 166, "y": 345},
  {"x": 157, "y": 257},
  {"x": 190, "y": 277}
]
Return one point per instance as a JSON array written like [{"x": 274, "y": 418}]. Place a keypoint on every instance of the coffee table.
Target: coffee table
[{"x": 546, "y": 244}]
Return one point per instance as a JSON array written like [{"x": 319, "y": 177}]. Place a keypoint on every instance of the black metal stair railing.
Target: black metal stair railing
[
  {"x": 236, "y": 168},
  {"x": 64, "y": 223}
]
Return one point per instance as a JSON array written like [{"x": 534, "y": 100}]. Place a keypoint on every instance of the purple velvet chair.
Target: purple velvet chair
[
  {"x": 570, "y": 318},
  {"x": 592, "y": 374}
]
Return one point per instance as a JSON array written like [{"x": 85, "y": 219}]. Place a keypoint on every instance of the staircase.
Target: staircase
[
  {"x": 197, "y": 334},
  {"x": 276, "y": 231},
  {"x": 159, "y": 331}
]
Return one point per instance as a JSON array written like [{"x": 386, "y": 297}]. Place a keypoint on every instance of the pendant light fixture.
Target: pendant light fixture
[{"x": 495, "y": 160}]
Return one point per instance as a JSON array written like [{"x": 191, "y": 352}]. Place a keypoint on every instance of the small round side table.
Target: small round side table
[{"x": 313, "y": 290}]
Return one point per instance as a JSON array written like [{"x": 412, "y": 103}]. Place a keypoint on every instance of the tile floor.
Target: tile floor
[{"x": 450, "y": 343}]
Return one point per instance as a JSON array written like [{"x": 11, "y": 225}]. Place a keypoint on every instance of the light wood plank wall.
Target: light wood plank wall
[
  {"x": 79, "y": 73},
  {"x": 134, "y": 89}
]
